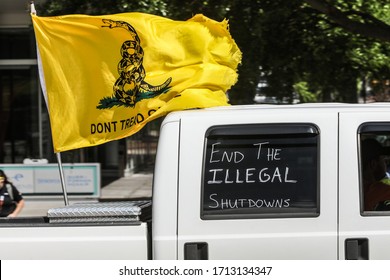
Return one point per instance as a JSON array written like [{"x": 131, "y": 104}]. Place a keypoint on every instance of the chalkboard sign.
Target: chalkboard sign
[{"x": 253, "y": 171}]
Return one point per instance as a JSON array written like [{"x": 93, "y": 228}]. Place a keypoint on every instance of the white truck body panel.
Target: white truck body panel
[
  {"x": 165, "y": 191},
  {"x": 74, "y": 242},
  {"x": 287, "y": 238},
  {"x": 376, "y": 229}
]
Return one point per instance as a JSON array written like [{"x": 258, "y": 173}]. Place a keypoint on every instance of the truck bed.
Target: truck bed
[{"x": 99, "y": 230}]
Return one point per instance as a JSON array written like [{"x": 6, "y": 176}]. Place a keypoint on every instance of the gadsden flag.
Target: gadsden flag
[{"x": 105, "y": 77}]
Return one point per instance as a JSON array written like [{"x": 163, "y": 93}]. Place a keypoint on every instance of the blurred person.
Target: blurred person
[
  {"x": 11, "y": 200},
  {"x": 376, "y": 183}
]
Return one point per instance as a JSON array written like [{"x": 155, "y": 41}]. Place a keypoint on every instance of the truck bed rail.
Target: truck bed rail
[{"x": 101, "y": 212}]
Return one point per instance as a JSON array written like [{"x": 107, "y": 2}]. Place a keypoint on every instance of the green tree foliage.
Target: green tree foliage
[
  {"x": 100, "y": 7},
  {"x": 360, "y": 34},
  {"x": 320, "y": 50}
]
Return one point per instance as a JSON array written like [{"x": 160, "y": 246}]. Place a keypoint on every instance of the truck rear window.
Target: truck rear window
[{"x": 260, "y": 171}]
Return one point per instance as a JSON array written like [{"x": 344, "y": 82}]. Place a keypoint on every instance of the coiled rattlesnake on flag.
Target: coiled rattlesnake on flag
[{"x": 130, "y": 87}]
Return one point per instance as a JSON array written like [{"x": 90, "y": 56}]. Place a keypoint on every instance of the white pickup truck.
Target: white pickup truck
[{"x": 238, "y": 182}]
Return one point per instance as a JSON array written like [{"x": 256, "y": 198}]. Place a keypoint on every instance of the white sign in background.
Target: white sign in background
[{"x": 45, "y": 178}]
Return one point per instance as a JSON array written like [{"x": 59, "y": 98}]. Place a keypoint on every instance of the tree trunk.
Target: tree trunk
[{"x": 349, "y": 92}]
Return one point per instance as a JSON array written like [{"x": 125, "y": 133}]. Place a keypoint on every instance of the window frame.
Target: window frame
[
  {"x": 267, "y": 130},
  {"x": 378, "y": 128}
]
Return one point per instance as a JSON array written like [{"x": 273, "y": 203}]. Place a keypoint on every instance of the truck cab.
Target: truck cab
[{"x": 268, "y": 182}]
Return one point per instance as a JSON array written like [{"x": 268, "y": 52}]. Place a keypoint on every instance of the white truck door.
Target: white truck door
[
  {"x": 258, "y": 185},
  {"x": 364, "y": 234}
]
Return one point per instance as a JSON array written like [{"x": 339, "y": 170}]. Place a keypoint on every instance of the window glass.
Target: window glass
[
  {"x": 374, "y": 140},
  {"x": 260, "y": 171},
  {"x": 17, "y": 43},
  {"x": 19, "y": 114}
]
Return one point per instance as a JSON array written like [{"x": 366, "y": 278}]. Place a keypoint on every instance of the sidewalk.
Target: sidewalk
[
  {"x": 138, "y": 185},
  {"x": 135, "y": 186}
]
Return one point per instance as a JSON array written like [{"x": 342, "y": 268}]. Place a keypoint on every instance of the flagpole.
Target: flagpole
[
  {"x": 32, "y": 8},
  {"x": 60, "y": 167},
  {"x": 64, "y": 191}
]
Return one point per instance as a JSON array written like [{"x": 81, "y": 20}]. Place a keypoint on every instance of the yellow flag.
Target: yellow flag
[{"x": 105, "y": 77}]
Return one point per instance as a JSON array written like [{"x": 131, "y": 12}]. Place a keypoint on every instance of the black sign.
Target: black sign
[{"x": 260, "y": 170}]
